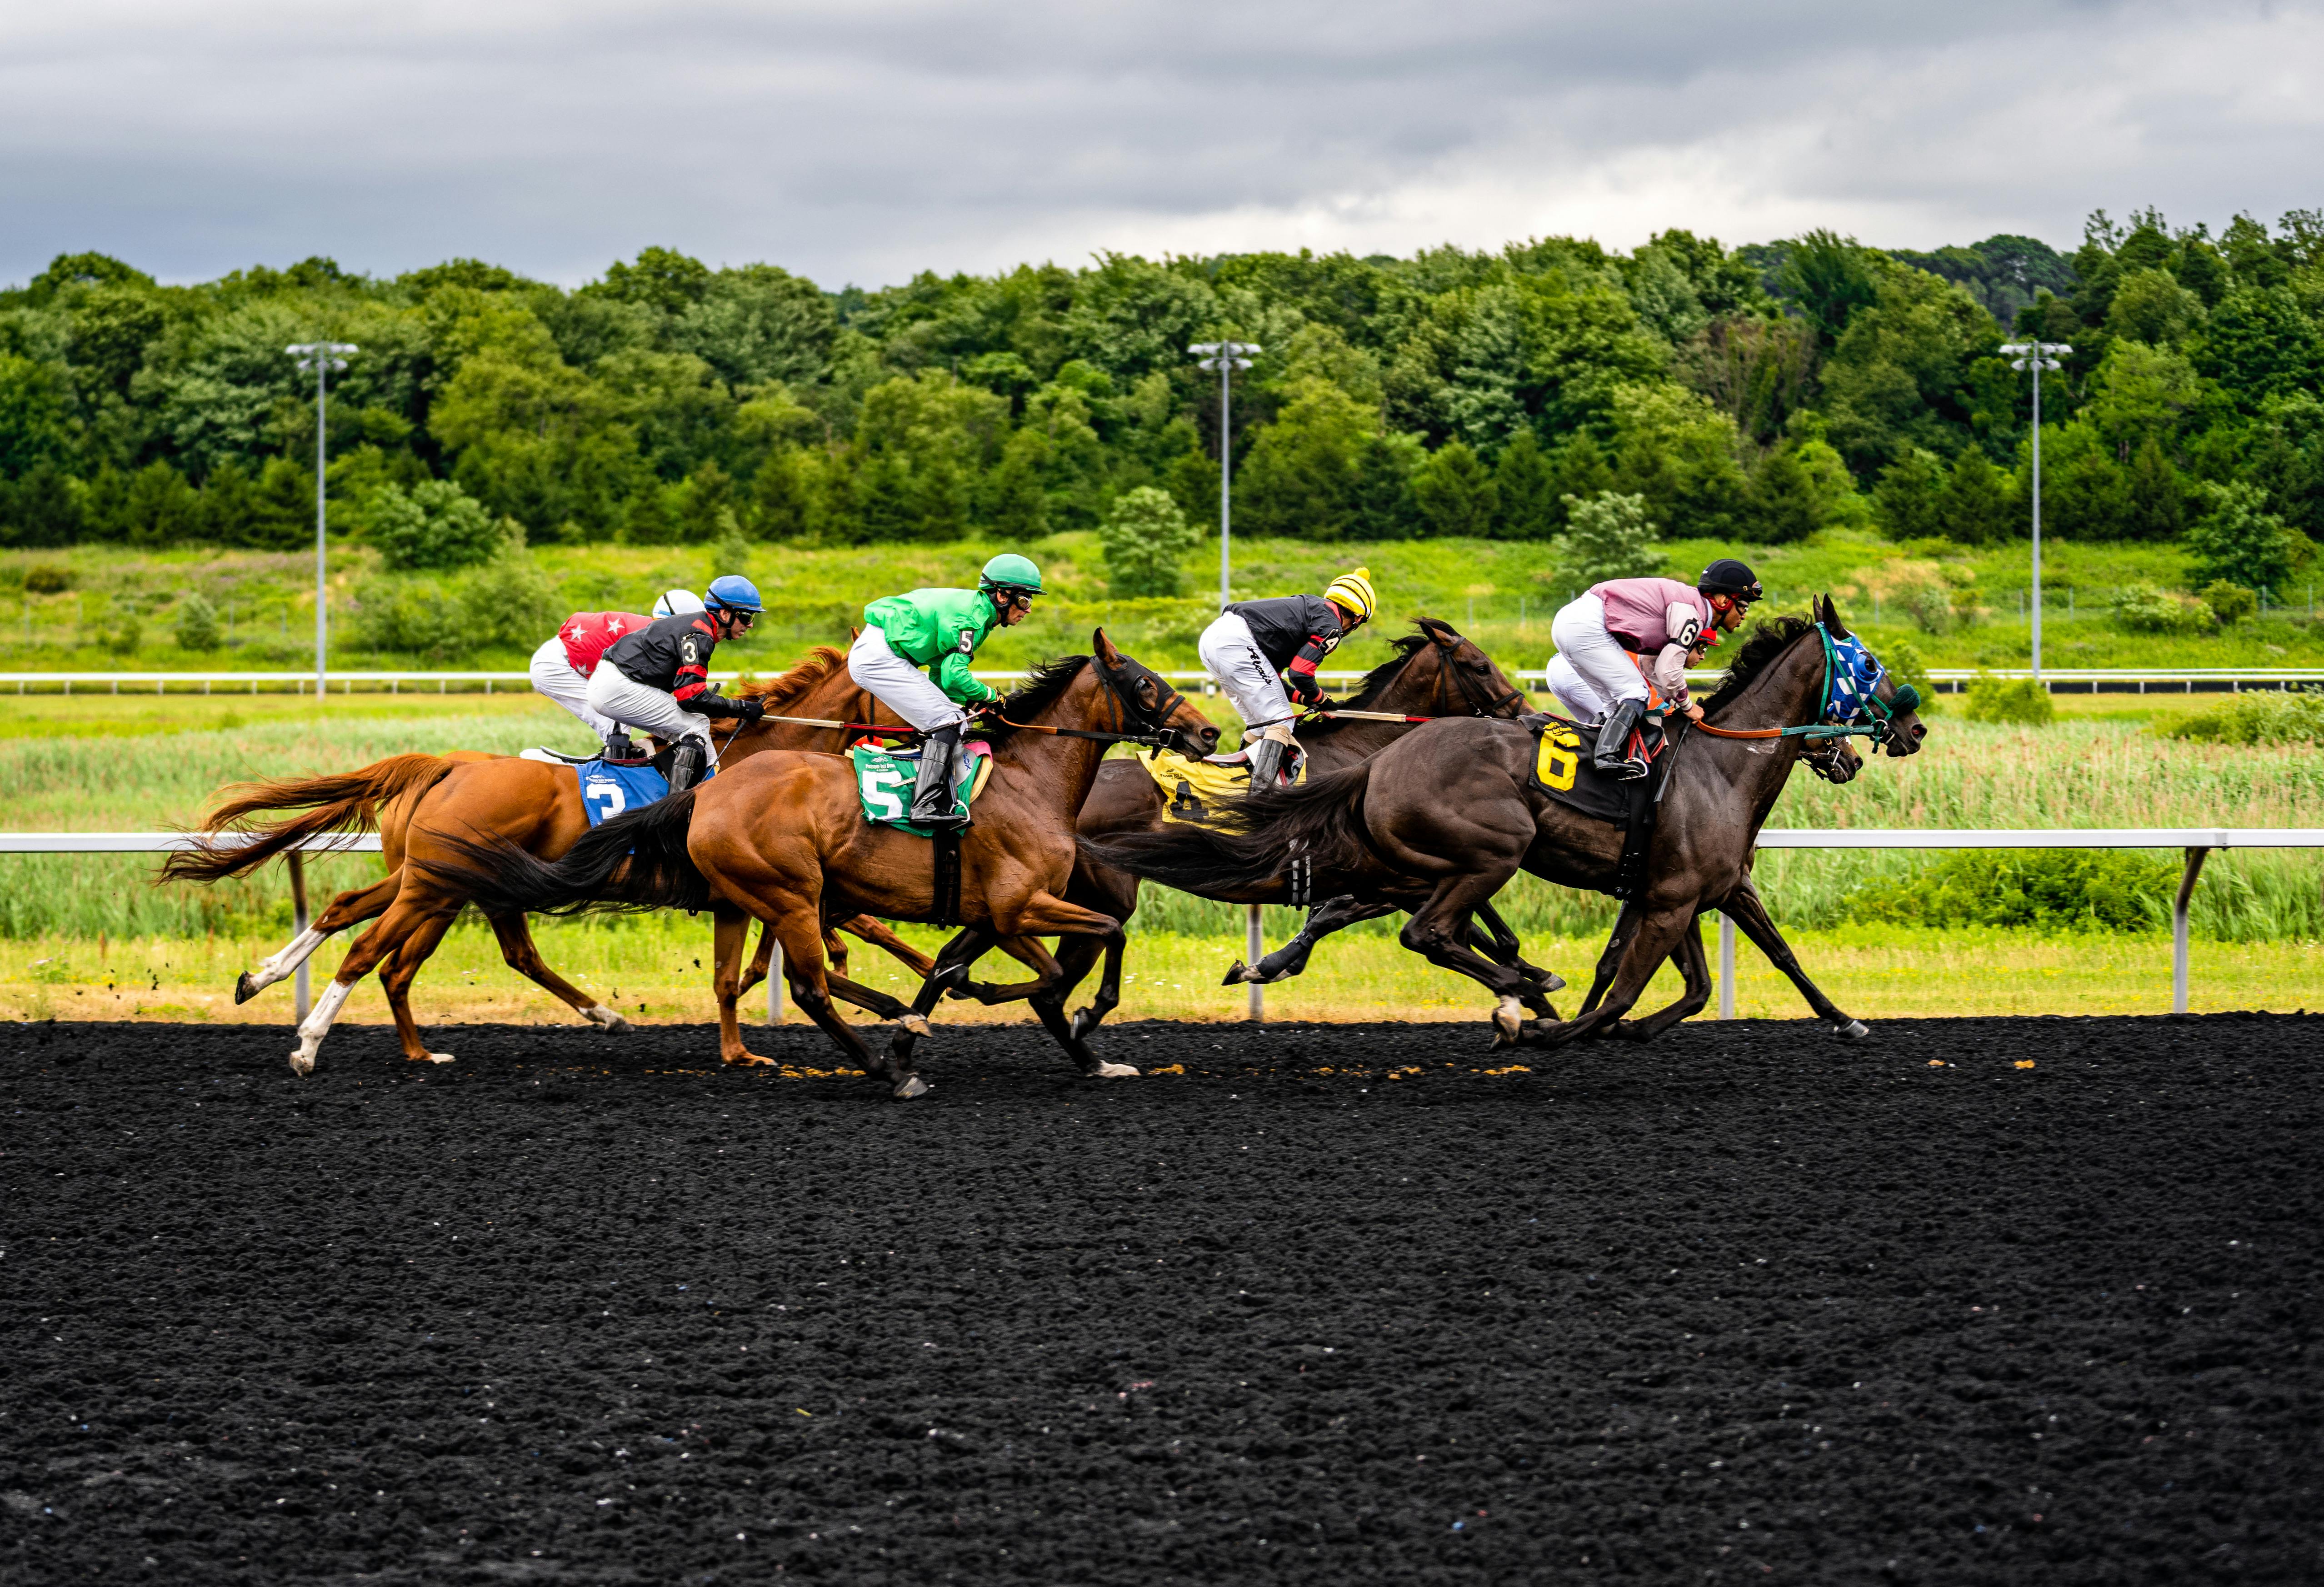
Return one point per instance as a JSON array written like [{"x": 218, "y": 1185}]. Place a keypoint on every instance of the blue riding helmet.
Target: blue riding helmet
[{"x": 733, "y": 593}]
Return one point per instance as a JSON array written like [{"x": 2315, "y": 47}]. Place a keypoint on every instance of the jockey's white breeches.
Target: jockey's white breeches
[
  {"x": 616, "y": 696},
  {"x": 1597, "y": 658},
  {"x": 897, "y": 683},
  {"x": 1240, "y": 668},
  {"x": 553, "y": 674},
  {"x": 1580, "y": 701}
]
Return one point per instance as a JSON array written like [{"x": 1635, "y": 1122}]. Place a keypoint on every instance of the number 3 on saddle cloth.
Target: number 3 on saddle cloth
[
  {"x": 884, "y": 779},
  {"x": 1563, "y": 751}
]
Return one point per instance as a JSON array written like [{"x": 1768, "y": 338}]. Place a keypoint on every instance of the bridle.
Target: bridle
[
  {"x": 1869, "y": 716},
  {"x": 1474, "y": 692},
  {"x": 1122, "y": 683}
]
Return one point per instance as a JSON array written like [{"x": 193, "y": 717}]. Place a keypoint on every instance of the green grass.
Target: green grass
[{"x": 1502, "y": 592}]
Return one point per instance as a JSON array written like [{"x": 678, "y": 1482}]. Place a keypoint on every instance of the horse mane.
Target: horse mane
[
  {"x": 1377, "y": 680},
  {"x": 1770, "y": 638},
  {"x": 1037, "y": 694},
  {"x": 790, "y": 688}
]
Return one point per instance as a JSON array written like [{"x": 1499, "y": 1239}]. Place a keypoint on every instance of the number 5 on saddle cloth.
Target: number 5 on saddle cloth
[{"x": 884, "y": 779}]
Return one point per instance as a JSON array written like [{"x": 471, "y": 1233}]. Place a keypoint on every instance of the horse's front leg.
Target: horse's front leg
[
  {"x": 1696, "y": 969},
  {"x": 1657, "y": 934},
  {"x": 1744, "y": 906}
]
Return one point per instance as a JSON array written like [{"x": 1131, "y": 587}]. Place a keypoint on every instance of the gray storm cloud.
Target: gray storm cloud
[{"x": 865, "y": 142}]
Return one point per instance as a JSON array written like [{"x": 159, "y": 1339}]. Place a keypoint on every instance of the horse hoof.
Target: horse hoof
[
  {"x": 244, "y": 989},
  {"x": 433, "y": 1058},
  {"x": 302, "y": 1065},
  {"x": 599, "y": 1014},
  {"x": 1551, "y": 981},
  {"x": 916, "y": 1024},
  {"x": 908, "y": 1087},
  {"x": 745, "y": 1059},
  {"x": 1508, "y": 1018},
  {"x": 1237, "y": 974},
  {"x": 1854, "y": 1031},
  {"x": 1105, "y": 1071}
]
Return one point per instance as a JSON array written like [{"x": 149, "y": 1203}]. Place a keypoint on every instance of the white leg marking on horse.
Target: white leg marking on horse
[
  {"x": 317, "y": 1025},
  {"x": 1105, "y": 1071},
  {"x": 1508, "y": 1018},
  {"x": 278, "y": 965},
  {"x": 916, "y": 1024},
  {"x": 599, "y": 1014}
]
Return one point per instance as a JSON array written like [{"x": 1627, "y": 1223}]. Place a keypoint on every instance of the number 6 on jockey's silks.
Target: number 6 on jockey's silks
[
  {"x": 1559, "y": 759},
  {"x": 880, "y": 786},
  {"x": 609, "y": 791}
]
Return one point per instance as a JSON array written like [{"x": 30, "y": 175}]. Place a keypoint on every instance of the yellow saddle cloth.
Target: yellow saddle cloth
[{"x": 1194, "y": 787}]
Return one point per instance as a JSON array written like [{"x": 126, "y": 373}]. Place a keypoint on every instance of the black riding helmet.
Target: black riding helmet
[{"x": 1726, "y": 576}]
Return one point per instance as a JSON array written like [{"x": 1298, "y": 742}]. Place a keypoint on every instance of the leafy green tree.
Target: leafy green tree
[
  {"x": 1907, "y": 499},
  {"x": 662, "y": 279},
  {"x": 1975, "y": 507},
  {"x": 1608, "y": 536},
  {"x": 198, "y": 623},
  {"x": 1757, "y": 372},
  {"x": 1830, "y": 278},
  {"x": 1302, "y": 475},
  {"x": 1678, "y": 452},
  {"x": 2288, "y": 462},
  {"x": 781, "y": 503},
  {"x": 2085, "y": 495},
  {"x": 1527, "y": 490},
  {"x": 435, "y": 526},
  {"x": 758, "y": 324},
  {"x": 159, "y": 508},
  {"x": 2151, "y": 307},
  {"x": 2259, "y": 344},
  {"x": 2240, "y": 541},
  {"x": 35, "y": 414},
  {"x": 1019, "y": 503},
  {"x": 1386, "y": 507},
  {"x": 1783, "y": 503},
  {"x": 1455, "y": 491},
  {"x": 41, "y": 509},
  {"x": 1146, "y": 539},
  {"x": 1896, "y": 376},
  {"x": 2155, "y": 507}
]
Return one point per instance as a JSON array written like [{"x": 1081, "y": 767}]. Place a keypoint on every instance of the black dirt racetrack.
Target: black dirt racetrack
[{"x": 1743, "y": 1306}]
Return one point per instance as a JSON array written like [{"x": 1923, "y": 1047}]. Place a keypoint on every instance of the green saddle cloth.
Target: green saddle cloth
[{"x": 884, "y": 779}]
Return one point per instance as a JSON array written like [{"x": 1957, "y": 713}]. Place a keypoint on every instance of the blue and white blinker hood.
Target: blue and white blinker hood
[{"x": 1852, "y": 695}]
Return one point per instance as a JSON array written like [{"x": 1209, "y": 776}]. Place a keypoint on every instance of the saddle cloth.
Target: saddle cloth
[
  {"x": 884, "y": 779},
  {"x": 1562, "y": 769},
  {"x": 608, "y": 789},
  {"x": 1194, "y": 788}
]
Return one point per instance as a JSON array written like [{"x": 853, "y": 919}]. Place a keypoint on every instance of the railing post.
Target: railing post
[
  {"x": 775, "y": 985},
  {"x": 297, "y": 864},
  {"x": 1255, "y": 949},
  {"x": 1726, "y": 965},
  {"x": 2179, "y": 930}
]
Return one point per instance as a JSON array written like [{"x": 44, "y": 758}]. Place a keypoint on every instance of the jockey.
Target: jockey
[
  {"x": 657, "y": 677},
  {"x": 562, "y": 666},
  {"x": 939, "y": 629},
  {"x": 1595, "y": 635},
  {"x": 1251, "y": 645}
]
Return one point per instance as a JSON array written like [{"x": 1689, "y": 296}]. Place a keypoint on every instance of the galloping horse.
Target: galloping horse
[
  {"x": 530, "y": 803},
  {"x": 1440, "y": 820},
  {"x": 1435, "y": 672},
  {"x": 783, "y": 840}
]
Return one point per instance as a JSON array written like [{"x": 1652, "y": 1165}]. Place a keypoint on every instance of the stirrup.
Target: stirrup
[{"x": 620, "y": 747}]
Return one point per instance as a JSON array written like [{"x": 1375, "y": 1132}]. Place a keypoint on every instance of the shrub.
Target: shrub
[
  {"x": 1929, "y": 608},
  {"x": 1608, "y": 536},
  {"x": 1905, "y": 666},
  {"x": 2144, "y": 608},
  {"x": 2264, "y": 717},
  {"x": 2230, "y": 602},
  {"x": 197, "y": 622},
  {"x": 2020, "y": 700},
  {"x": 2047, "y": 889},
  {"x": 2239, "y": 542},
  {"x": 46, "y": 578},
  {"x": 508, "y": 603},
  {"x": 731, "y": 552},
  {"x": 1145, "y": 536},
  {"x": 435, "y": 526}
]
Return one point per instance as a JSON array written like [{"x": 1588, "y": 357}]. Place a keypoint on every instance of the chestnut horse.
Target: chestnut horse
[
  {"x": 532, "y": 802},
  {"x": 783, "y": 840}
]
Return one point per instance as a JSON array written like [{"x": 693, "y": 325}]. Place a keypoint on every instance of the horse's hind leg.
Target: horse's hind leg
[
  {"x": 395, "y": 978},
  {"x": 1049, "y": 1003},
  {"x": 879, "y": 937},
  {"x": 1745, "y": 907},
  {"x": 1291, "y": 959},
  {"x": 351, "y": 908},
  {"x": 408, "y": 914},
  {"x": 1438, "y": 932},
  {"x": 521, "y": 955},
  {"x": 1502, "y": 947}
]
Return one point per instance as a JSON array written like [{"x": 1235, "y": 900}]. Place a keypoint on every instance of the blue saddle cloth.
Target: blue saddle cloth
[{"x": 607, "y": 791}]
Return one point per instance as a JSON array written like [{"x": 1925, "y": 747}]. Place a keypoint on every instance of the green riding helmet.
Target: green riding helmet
[{"x": 1010, "y": 571}]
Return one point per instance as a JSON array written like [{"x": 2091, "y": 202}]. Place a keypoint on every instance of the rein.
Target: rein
[
  {"x": 1168, "y": 700},
  {"x": 1473, "y": 691},
  {"x": 1883, "y": 712}
]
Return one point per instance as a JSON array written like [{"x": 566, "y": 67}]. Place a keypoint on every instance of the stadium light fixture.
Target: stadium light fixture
[
  {"x": 323, "y": 358},
  {"x": 2033, "y": 357},
  {"x": 1226, "y": 357}
]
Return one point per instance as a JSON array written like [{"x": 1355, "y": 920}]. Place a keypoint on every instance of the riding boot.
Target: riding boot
[
  {"x": 932, "y": 795},
  {"x": 685, "y": 762},
  {"x": 1266, "y": 757},
  {"x": 1613, "y": 757},
  {"x": 619, "y": 747}
]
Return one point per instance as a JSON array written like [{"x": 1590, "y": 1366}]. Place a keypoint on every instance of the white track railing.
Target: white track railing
[
  {"x": 1951, "y": 679},
  {"x": 2195, "y": 841}
]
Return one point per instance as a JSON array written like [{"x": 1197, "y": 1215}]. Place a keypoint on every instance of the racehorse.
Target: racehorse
[
  {"x": 530, "y": 803},
  {"x": 1434, "y": 672},
  {"x": 783, "y": 839},
  {"x": 1440, "y": 820}
]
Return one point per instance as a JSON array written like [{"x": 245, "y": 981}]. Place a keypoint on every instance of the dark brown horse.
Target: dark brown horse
[
  {"x": 782, "y": 839},
  {"x": 413, "y": 799},
  {"x": 1438, "y": 822}
]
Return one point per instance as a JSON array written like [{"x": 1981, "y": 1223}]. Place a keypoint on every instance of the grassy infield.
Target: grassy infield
[{"x": 83, "y": 937}]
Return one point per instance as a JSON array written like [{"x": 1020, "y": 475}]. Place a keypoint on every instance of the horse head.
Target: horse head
[
  {"x": 1439, "y": 672},
  {"x": 1152, "y": 705},
  {"x": 1862, "y": 691}
]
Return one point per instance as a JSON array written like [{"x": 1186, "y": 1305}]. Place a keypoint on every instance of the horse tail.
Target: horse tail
[
  {"x": 635, "y": 861},
  {"x": 1321, "y": 820},
  {"x": 347, "y": 801}
]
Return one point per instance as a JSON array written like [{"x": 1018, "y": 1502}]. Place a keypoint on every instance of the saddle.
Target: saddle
[
  {"x": 884, "y": 779},
  {"x": 1561, "y": 769},
  {"x": 1193, "y": 787}
]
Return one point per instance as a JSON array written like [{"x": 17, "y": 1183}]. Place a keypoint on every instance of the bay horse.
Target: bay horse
[
  {"x": 783, "y": 839},
  {"x": 1436, "y": 671},
  {"x": 1437, "y": 822},
  {"x": 534, "y": 804}
]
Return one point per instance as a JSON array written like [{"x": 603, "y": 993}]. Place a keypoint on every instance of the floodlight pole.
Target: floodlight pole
[
  {"x": 1226, "y": 357},
  {"x": 2036, "y": 357},
  {"x": 322, "y": 357}
]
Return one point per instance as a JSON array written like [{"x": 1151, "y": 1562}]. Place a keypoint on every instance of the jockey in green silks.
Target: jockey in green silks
[{"x": 940, "y": 630}]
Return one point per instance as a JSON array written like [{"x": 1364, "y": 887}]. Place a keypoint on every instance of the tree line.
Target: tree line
[{"x": 1758, "y": 393}]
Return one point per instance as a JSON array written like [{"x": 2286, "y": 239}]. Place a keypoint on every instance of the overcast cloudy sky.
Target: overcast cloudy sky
[{"x": 862, "y": 140}]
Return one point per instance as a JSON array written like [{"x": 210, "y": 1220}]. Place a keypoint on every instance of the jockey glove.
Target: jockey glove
[{"x": 749, "y": 710}]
